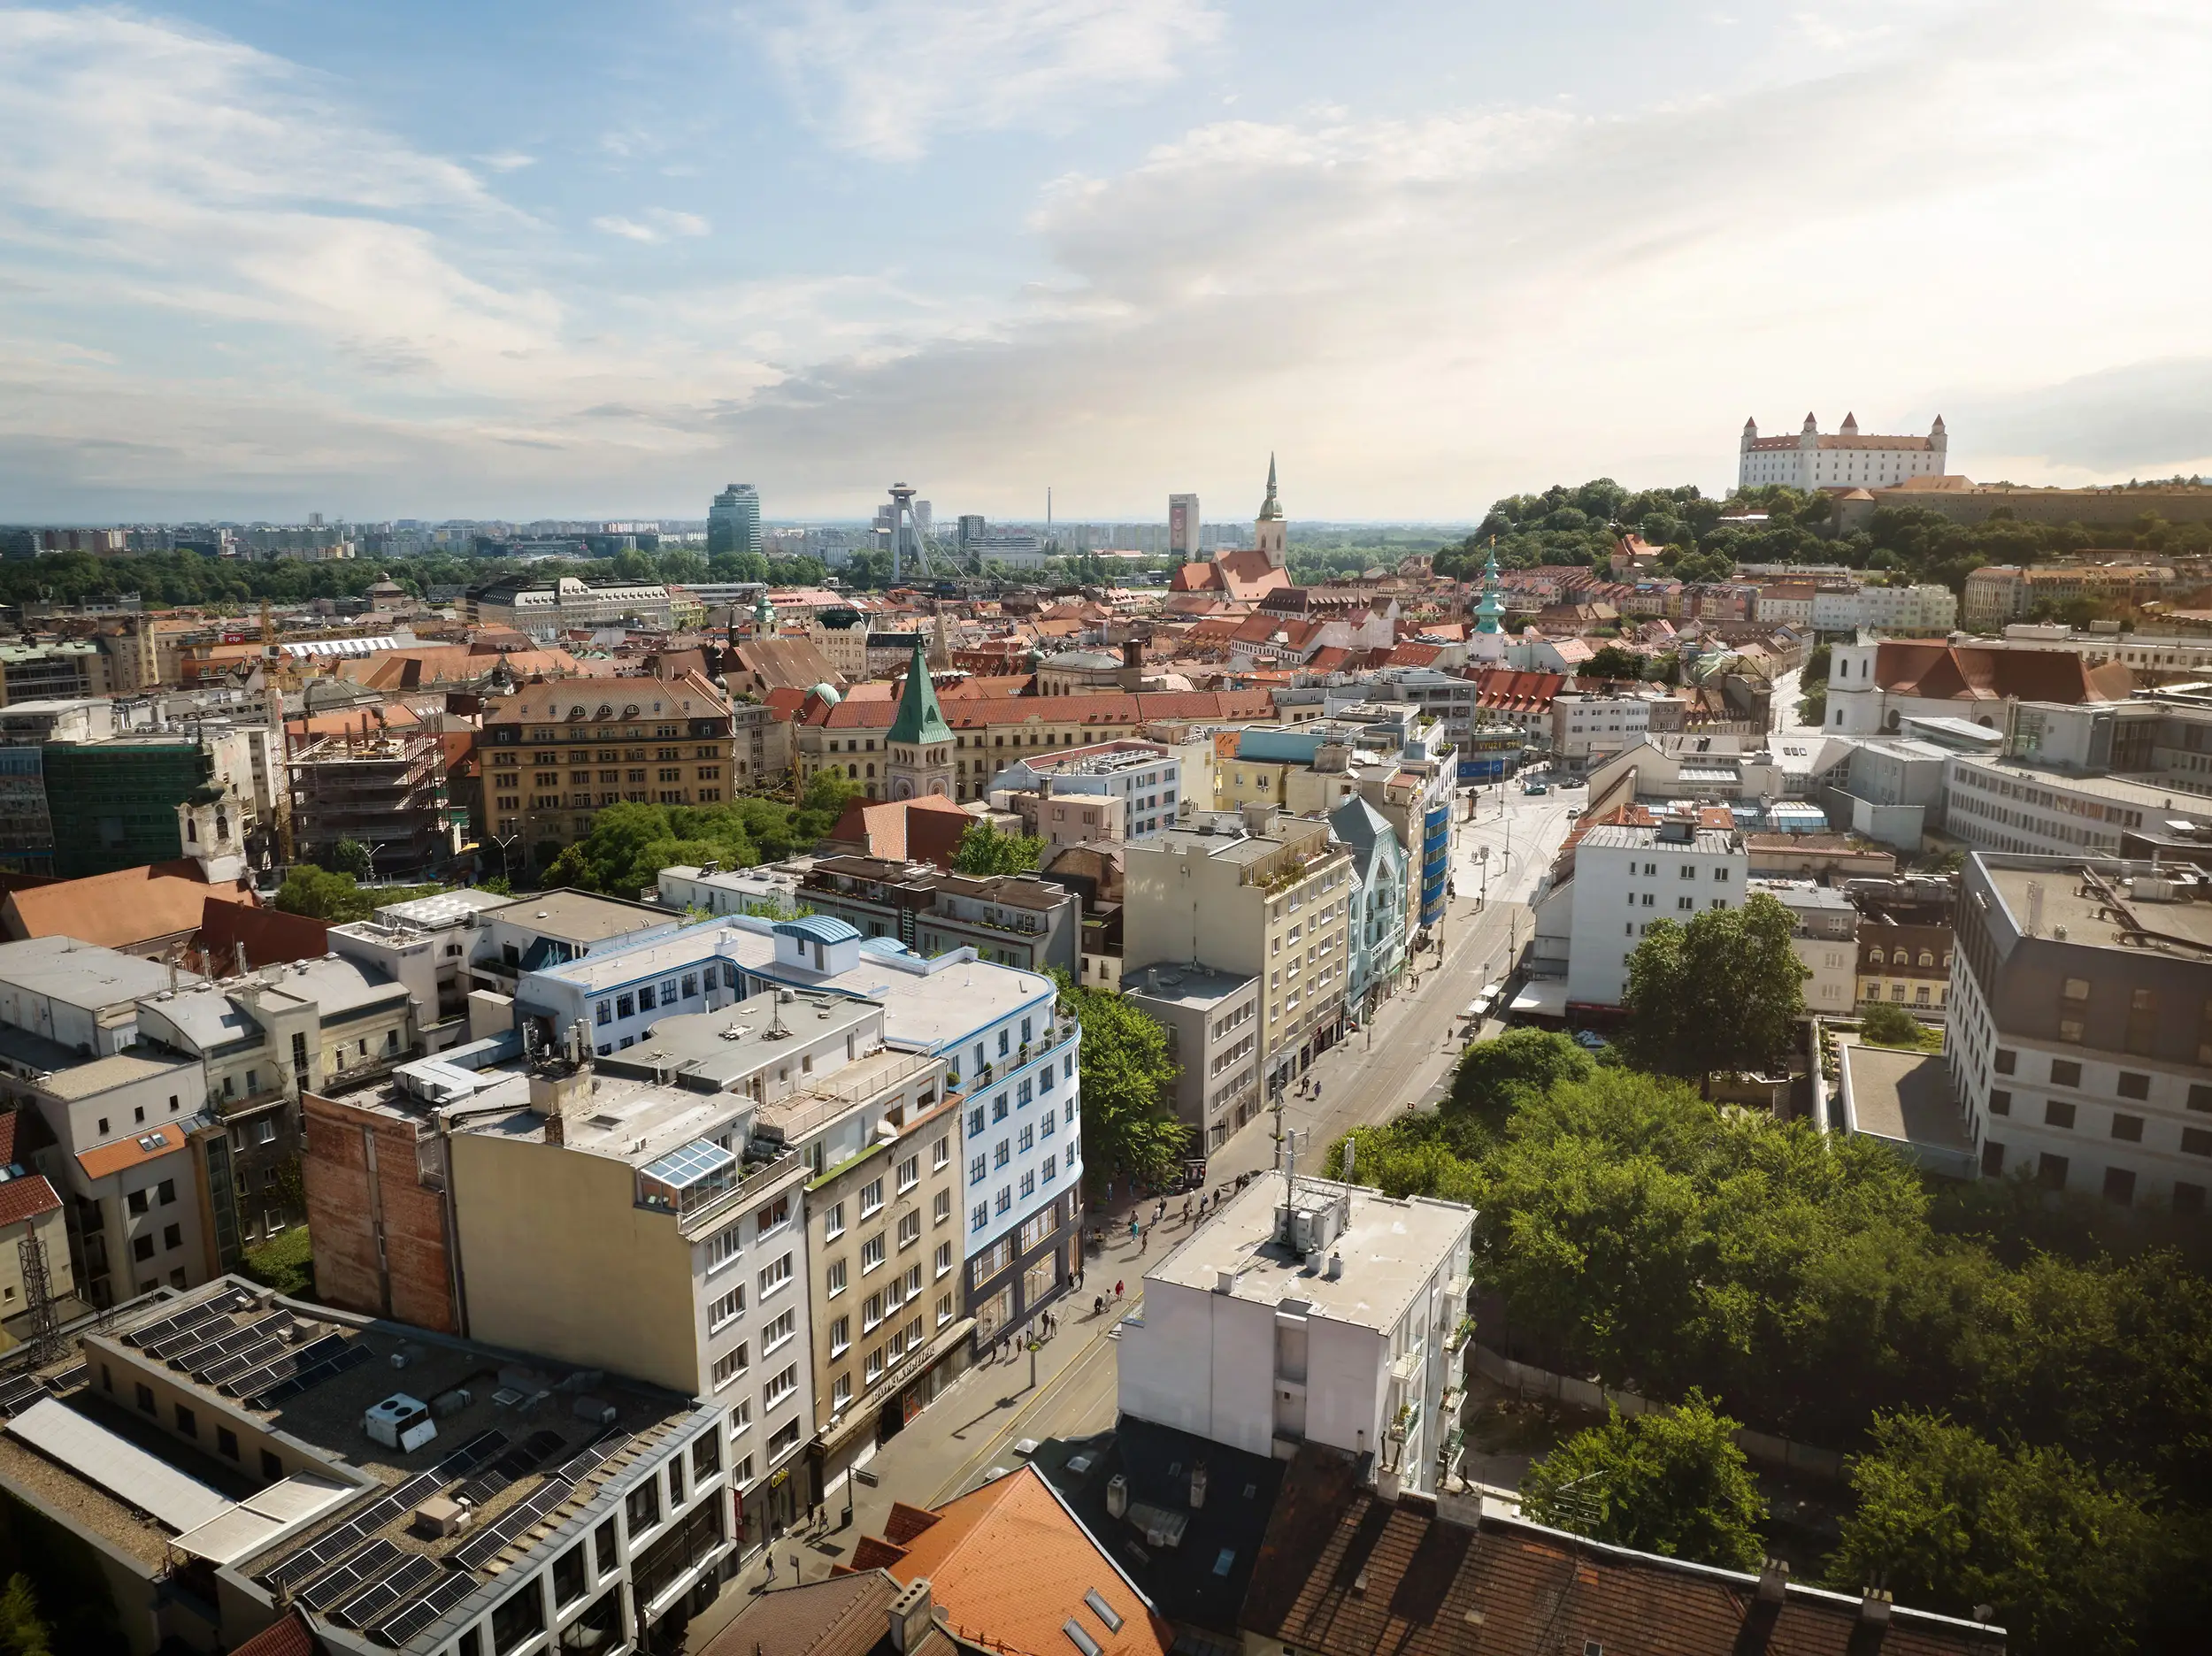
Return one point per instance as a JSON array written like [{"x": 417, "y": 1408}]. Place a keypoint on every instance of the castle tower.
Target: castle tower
[
  {"x": 1269, "y": 529},
  {"x": 1939, "y": 439},
  {"x": 1850, "y": 427},
  {"x": 918, "y": 749}
]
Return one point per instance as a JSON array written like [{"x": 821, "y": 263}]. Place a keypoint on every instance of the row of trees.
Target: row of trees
[
  {"x": 632, "y": 842},
  {"x": 2032, "y": 1430}
]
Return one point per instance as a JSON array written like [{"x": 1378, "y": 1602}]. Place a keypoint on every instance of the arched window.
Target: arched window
[
  {"x": 1927, "y": 957},
  {"x": 1876, "y": 957}
]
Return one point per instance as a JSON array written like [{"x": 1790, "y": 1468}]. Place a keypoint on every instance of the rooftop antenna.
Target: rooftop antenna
[{"x": 41, "y": 1335}]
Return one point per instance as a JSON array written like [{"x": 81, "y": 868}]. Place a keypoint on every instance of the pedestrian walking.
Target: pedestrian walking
[
  {"x": 1133, "y": 1227},
  {"x": 1098, "y": 1305},
  {"x": 1116, "y": 1289},
  {"x": 1144, "y": 1242},
  {"x": 1186, "y": 1210}
]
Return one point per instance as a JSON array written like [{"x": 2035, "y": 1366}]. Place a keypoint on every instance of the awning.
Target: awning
[{"x": 1541, "y": 997}]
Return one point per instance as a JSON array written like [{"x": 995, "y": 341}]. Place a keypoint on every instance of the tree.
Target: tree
[
  {"x": 1130, "y": 1130},
  {"x": 322, "y": 895},
  {"x": 352, "y": 859},
  {"x": 1494, "y": 1077},
  {"x": 1947, "y": 1520},
  {"x": 1611, "y": 660},
  {"x": 22, "y": 1631},
  {"x": 1890, "y": 1026},
  {"x": 1722, "y": 993},
  {"x": 983, "y": 850},
  {"x": 1672, "y": 1482}
]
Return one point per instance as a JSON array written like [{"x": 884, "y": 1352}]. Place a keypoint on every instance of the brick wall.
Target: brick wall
[{"x": 382, "y": 1245}]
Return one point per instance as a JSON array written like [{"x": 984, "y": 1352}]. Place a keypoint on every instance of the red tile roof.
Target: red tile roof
[
  {"x": 119, "y": 909},
  {"x": 1010, "y": 1564},
  {"x": 26, "y": 1197},
  {"x": 1108, "y": 707},
  {"x": 103, "y": 1160},
  {"x": 270, "y": 935},
  {"x": 925, "y": 830},
  {"x": 1965, "y": 673}
]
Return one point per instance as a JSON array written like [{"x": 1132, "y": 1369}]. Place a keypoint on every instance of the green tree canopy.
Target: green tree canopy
[
  {"x": 1611, "y": 660},
  {"x": 339, "y": 897},
  {"x": 1672, "y": 1482},
  {"x": 22, "y": 1631},
  {"x": 1494, "y": 1077},
  {"x": 1722, "y": 993},
  {"x": 630, "y": 843},
  {"x": 1130, "y": 1127},
  {"x": 1948, "y": 1521},
  {"x": 984, "y": 850}
]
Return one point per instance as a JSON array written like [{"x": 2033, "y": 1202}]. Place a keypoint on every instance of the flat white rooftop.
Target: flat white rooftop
[{"x": 1391, "y": 1247}]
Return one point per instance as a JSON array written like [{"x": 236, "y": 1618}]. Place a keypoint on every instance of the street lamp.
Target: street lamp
[
  {"x": 502, "y": 841},
  {"x": 371, "y": 852}
]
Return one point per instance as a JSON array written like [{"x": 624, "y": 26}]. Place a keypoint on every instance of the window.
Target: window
[
  {"x": 978, "y": 1170},
  {"x": 1003, "y": 1154},
  {"x": 731, "y": 1364},
  {"x": 603, "y": 1013},
  {"x": 706, "y": 1456},
  {"x": 941, "y": 1208},
  {"x": 2188, "y": 1198},
  {"x": 171, "y": 1238},
  {"x": 944, "y": 1309},
  {"x": 875, "y": 1366},
  {"x": 2000, "y": 1101},
  {"x": 870, "y": 1254},
  {"x": 726, "y": 1309},
  {"x": 944, "y": 1258},
  {"x": 721, "y": 1247},
  {"x": 2065, "y": 1073},
  {"x": 568, "y": 1576},
  {"x": 2051, "y": 1172},
  {"x": 2197, "y": 1141},
  {"x": 1029, "y": 1184},
  {"x": 142, "y": 1247},
  {"x": 841, "y": 1336},
  {"x": 998, "y": 1108},
  {"x": 2119, "y": 1187},
  {"x": 834, "y": 1221},
  {"x": 226, "y": 1440},
  {"x": 785, "y": 1382},
  {"x": 645, "y": 998},
  {"x": 1048, "y": 1125},
  {"x": 840, "y": 1393},
  {"x": 518, "y": 1618},
  {"x": 776, "y": 1277},
  {"x": 777, "y": 1333},
  {"x": 835, "y": 1277},
  {"x": 136, "y": 1202},
  {"x": 2133, "y": 1085},
  {"x": 644, "y": 1507},
  {"x": 870, "y": 1197},
  {"x": 2199, "y": 1096},
  {"x": 980, "y": 1217},
  {"x": 773, "y": 1216},
  {"x": 975, "y": 1119},
  {"x": 1005, "y": 1199},
  {"x": 909, "y": 1173},
  {"x": 1029, "y": 1138},
  {"x": 910, "y": 1229},
  {"x": 2006, "y": 1061},
  {"x": 1051, "y": 1169},
  {"x": 870, "y": 1313},
  {"x": 2128, "y": 1128},
  {"x": 940, "y": 1151},
  {"x": 604, "y": 1556},
  {"x": 188, "y": 1423}
]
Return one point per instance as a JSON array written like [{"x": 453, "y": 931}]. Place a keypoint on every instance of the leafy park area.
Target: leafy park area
[
  {"x": 2026, "y": 1399},
  {"x": 631, "y": 843}
]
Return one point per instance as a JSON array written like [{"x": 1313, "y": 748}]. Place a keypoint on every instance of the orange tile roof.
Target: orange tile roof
[
  {"x": 26, "y": 1197},
  {"x": 1010, "y": 1564},
  {"x": 103, "y": 1160},
  {"x": 118, "y": 910}
]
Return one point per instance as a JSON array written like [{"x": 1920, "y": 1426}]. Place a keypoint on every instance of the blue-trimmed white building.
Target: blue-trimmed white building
[{"x": 1010, "y": 1054}]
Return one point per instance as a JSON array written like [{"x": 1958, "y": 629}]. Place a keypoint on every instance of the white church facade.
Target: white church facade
[{"x": 1845, "y": 459}]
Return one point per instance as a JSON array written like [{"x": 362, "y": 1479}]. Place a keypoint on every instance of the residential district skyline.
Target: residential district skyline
[{"x": 265, "y": 261}]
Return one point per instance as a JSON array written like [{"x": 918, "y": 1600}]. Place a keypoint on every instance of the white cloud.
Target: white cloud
[
  {"x": 507, "y": 161},
  {"x": 885, "y": 77},
  {"x": 658, "y": 225}
]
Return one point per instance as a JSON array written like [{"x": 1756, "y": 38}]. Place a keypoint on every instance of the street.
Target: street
[{"x": 1369, "y": 1077}]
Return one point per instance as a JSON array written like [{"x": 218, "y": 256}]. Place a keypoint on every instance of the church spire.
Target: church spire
[
  {"x": 920, "y": 721},
  {"x": 1270, "y": 508}
]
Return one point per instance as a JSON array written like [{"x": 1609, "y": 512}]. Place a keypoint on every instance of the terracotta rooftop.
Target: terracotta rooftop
[
  {"x": 845, "y": 1615},
  {"x": 103, "y": 1160},
  {"x": 1116, "y": 708},
  {"x": 118, "y": 910},
  {"x": 1343, "y": 1573},
  {"x": 1968, "y": 674},
  {"x": 26, "y": 1197},
  {"x": 1010, "y": 1564}
]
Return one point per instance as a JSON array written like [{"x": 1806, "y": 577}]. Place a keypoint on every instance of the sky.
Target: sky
[{"x": 263, "y": 258}]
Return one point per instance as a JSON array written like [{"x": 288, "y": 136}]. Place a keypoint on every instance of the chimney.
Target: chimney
[
  {"x": 1774, "y": 1581},
  {"x": 1198, "y": 1486},
  {"x": 911, "y": 1613},
  {"x": 1117, "y": 1495},
  {"x": 1874, "y": 1610},
  {"x": 558, "y": 1096}
]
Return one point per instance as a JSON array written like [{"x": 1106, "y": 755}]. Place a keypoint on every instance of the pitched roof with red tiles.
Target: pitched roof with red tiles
[
  {"x": 1412, "y": 655},
  {"x": 845, "y": 1615},
  {"x": 1343, "y": 1573},
  {"x": 1106, "y": 708},
  {"x": 118, "y": 910},
  {"x": 1010, "y": 1564},
  {"x": 26, "y": 1197},
  {"x": 1965, "y": 673},
  {"x": 270, "y": 935},
  {"x": 291, "y": 1637},
  {"x": 1508, "y": 691},
  {"x": 103, "y": 1160},
  {"x": 926, "y": 830}
]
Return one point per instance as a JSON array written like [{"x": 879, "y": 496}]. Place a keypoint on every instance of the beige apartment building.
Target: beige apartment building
[
  {"x": 553, "y": 754},
  {"x": 1256, "y": 892},
  {"x": 883, "y": 1250}
]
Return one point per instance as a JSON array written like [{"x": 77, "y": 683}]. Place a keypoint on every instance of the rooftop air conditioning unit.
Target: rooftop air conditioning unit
[{"x": 400, "y": 1422}]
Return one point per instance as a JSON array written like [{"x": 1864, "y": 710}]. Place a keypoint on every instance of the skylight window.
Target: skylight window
[
  {"x": 1082, "y": 1641},
  {"x": 1103, "y": 1611}
]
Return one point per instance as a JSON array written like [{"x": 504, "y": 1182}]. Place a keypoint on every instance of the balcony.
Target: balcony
[{"x": 729, "y": 1199}]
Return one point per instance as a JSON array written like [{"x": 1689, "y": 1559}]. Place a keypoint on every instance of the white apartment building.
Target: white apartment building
[
  {"x": 1310, "y": 1311},
  {"x": 1587, "y": 726},
  {"x": 1145, "y": 776},
  {"x": 996, "y": 1027},
  {"x": 1845, "y": 459},
  {"x": 1997, "y": 806},
  {"x": 1785, "y": 603},
  {"x": 1895, "y": 609},
  {"x": 2079, "y": 1034},
  {"x": 1631, "y": 876}
]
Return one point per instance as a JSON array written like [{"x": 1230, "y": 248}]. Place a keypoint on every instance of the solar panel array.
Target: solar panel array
[
  {"x": 349, "y": 1577},
  {"x": 250, "y": 1375},
  {"x": 519, "y": 1461},
  {"x": 488, "y": 1542},
  {"x": 387, "y": 1592},
  {"x": 576, "y": 1466},
  {"x": 191, "y": 1316},
  {"x": 411, "y": 1620},
  {"x": 352, "y": 1357},
  {"x": 19, "y": 1390},
  {"x": 334, "y": 1544},
  {"x": 199, "y": 1356}
]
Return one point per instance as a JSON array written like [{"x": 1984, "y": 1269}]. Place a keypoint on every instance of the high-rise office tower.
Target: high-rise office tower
[
  {"x": 1183, "y": 526},
  {"x": 733, "y": 520},
  {"x": 972, "y": 527}
]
